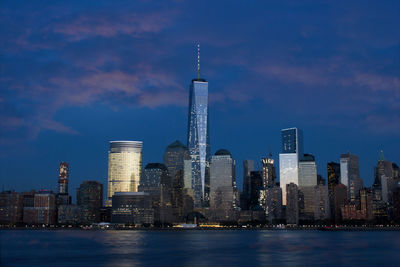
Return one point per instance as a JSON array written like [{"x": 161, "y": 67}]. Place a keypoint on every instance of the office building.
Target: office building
[
  {"x": 124, "y": 167},
  {"x": 333, "y": 170},
  {"x": 90, "y": 200},
  {"x": 292, "y": 152},
  {"x": 174, "y": 156},
  {"x": 157, "y": 183},
  {"x": 132, "y": 208},
  {"x": 11, "y": 207},
  {"x": 256, "y": 184},
  {"x": 340, "y": 199},
  {"x": 307, "y": 171},
  {"x": 384, "y": 180},
  {"x": 199, "y": 138},
  {"x": 366, "y": 203},
  {"x": 69, "y": 214},
  {"x": 223, "y": 199},
  {"x": 268, "y": 171},
  {"x": 270, "y": 199},
  {"x": 43, "y": 211},
  {"x": 248, "y": 166},
  {"x": 292, "y": 205},
  {"x": 321, "y": 203},
  {"x": 174, "y": 159},
  {"x": 349, "y": 176},
  {"x": 384, "y": 167}
]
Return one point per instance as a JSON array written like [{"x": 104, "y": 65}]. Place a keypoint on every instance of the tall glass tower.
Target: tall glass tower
[
  {"x": 124, "y": 167},
  {"x": 292, "y": 152},
  {"x": 198, "y": 137}
]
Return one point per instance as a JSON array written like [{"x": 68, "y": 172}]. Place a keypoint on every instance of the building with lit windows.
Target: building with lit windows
[
  {"x": 174, "y": 159},
  {"x": 199, "y": 138},
  {"x": 223, "y": 197},
  {"x": 292, "y": 204},
  {"x": 292, "y": 152},
  {"x": 90, "y": 200},
  {"x": 268, "y": 171},
  {"x": 156, "y": 181},
  {"x": 132, "y": 208},
  {"x": 124, "y": 167},
  {"x": 349, "y": 176}
]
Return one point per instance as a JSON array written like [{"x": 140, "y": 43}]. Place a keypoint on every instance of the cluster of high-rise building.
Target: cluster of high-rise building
[
  {"x": 45, "y": 207},
  {"x": 192, "y": 186}
]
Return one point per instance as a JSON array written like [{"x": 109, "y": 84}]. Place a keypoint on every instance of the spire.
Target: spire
[
  {"x": 381, "y": 157},
  {"x": 198, "y": 60}
]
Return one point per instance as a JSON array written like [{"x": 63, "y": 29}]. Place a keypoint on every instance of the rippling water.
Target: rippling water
[{"x": 198, "y": 248}]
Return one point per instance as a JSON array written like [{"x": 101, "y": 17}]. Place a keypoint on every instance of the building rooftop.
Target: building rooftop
[
  {"x": 308, "y": 157},
  {"x": 176, "y": 144},
  {"x": 223, "y": 152},
  {"x": 131, "y": 194},
  {"x": 156, "y": 165}
]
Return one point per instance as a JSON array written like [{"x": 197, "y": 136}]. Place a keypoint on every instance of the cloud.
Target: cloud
[
  {"x": 295, "y": 74},
  {"x": 378, "y": 82},
  {"x": 109, "y": 24}
]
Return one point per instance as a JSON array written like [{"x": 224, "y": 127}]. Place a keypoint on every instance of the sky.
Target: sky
[{"x": 75, "y": 75}]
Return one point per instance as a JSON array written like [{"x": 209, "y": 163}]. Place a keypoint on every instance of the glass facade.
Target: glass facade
[
  {"x": 292, "y": 152},
  {"x": 174, "y": 157},
  {"x": 124, "y": 167},
  {"x": 292, "y": 141},
  {"x": 349, "y": 175},
  {"x": 222, "y": 185},
  {"x": 198, "y": 138},
  {"x": 307, "y": 171},
  {"x": 156, "y": 181},
  {"x": 289, "y": 172}
]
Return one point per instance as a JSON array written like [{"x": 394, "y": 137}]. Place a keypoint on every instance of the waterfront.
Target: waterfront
[{"x": 198, "y": 248}]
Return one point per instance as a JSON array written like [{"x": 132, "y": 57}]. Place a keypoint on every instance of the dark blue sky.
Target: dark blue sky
[{"x": 75, "y": 75}]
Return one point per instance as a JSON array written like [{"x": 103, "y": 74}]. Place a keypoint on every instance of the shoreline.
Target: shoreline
[{"x": 176, "y": 229}]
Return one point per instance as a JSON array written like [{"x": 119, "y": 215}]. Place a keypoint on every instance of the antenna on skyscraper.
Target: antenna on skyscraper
[
  {"x": 269, "y": 150},
  {"x": 198, "y": 60}
]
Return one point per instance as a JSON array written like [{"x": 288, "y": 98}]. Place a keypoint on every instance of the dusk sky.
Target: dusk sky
[{"x": 76, "y": 74}]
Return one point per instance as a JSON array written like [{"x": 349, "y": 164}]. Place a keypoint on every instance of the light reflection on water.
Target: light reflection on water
[{"x": 194, "y": 248}]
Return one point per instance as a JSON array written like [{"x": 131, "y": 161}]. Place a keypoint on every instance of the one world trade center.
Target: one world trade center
[{"x": 198, "y": 137}]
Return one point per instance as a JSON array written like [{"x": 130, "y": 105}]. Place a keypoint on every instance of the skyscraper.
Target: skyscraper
[
  {"x": 174, "y": 159},
  {"x": 270, "y": 199},
  {"x": 256, "y": 184},
  {"x": 248, "y": 166},
  {"x": 321, "y": 203},
  {"x": 89, "y": 197},
  {"x": 63, "y": 175},
  {"x": 292, "y": 206},
  {"x": 349, "y": 175},
  {"x": 307, "y": 171},
  {"x": 223, "y": 200},
  {"x": 292, "y": 152},
  {"x": 198, "y": 136},
  {"x": 156, "y": 181},
  {"x": 124, "y": 167},
  {"x": 384, "y": 178},
  {"x": 268, "y": 171},
  {"x": 333, "y": 169},
  {"x": 62, "y": 198}
]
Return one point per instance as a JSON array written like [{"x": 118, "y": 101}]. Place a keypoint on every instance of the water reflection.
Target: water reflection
[{"x": 197, "y": 248}]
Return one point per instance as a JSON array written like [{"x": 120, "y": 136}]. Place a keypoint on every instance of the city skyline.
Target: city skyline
[{"x": 68, "y": 92}]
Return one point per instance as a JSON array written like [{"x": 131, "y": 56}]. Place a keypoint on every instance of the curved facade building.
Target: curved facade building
[{"x": 124, "y": 167}]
